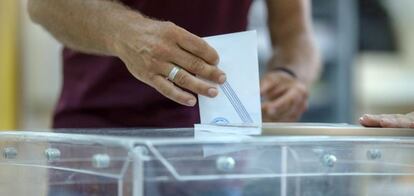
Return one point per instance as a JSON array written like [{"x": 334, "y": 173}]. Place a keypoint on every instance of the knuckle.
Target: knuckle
[
  {"x": 168, "y": 92},
  {"x": 134, "y": 71},
  {"x": 159, "y": 49},
  {"x": 201, "y": 46},
  {"x": 153, "y": 61},
  {"x": 169, "y": 25},
  {"x": 152, "y": 77},
  {"x": 169, "y": 29},
  {"x": 164, "y": 90},
  {"x": 182, "y": 79},
  {"x": 154, "y": 65},
  {"x": 197, "y": 66}
]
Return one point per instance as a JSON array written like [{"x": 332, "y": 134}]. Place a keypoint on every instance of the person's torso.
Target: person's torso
[{"x": 99, "y": 91}]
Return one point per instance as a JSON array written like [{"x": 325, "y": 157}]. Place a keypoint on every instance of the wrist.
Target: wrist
[
  {"x": 123, "y": 26},
  {"x": 285, "y": 70},
  {"x": 304, "y": 69}
]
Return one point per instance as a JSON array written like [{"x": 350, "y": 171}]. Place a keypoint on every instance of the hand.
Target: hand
[
  {"x": 388, "y": 120},
  {"x": 285, "y": 97},
  {"x": 152, "y": 48}
]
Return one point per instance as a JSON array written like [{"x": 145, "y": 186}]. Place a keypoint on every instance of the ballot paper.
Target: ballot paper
[{"x": 238, "y": 102}]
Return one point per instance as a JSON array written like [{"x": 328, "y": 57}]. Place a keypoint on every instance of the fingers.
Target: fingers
[
  {"x": 151, "y": 57},
  {"x": 197, "y": 46},
  {"x": 276, "y": 92},
  {"x": 395, "y": 121},
  {"x": 272, "y": 81},
  {"x": 266, "y": 84},
  {"x": 287, "y": 98},
  {"x": 275, "y": 84},
  {"x": 370, "y": 120},
  {"x": 287, "y": 108},
  {"x": 387, "y": 121},
  {"x": 280, "y": 106},
  {"x": 295, "y": 112},
  {"x": 198, "y": 66},
  {"x": 194, "y": 84},
  {"x": 172, "y": 92},
  {"x": 187, "y": 81}
]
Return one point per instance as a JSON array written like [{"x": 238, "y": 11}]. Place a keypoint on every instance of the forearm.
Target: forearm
[
  {"x": 150, "y": 49},
  {"x": 91, "y": 26},
  {"x": 291, "y": 34}
]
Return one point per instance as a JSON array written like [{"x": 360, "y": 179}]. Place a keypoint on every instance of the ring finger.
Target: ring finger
[
  {"x": 185, "y": 80},
  {"x": 197, "y": 66}
]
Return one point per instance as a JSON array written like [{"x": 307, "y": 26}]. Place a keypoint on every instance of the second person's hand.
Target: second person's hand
[
  {"x": 388, "y": 120},
  {"x": 286, "y": 98}
]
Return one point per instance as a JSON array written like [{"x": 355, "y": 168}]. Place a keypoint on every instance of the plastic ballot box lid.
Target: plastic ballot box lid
[{"x": 287, "y": 159}]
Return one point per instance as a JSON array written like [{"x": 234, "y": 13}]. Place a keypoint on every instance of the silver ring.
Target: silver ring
[{"x": 173, "y": 73}]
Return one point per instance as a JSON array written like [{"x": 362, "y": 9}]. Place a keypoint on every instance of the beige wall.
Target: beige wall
[
  {"x": 403, "y": 16},
  {"x": 384, "y": 82},
  {"x": 41, "y": 73}
]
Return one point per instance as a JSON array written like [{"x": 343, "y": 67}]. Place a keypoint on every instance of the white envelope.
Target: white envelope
[{"x": 238, "y": 102}]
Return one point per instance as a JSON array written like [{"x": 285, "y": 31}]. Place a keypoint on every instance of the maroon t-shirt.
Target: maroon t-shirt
[{"x": 98, "y": 91}]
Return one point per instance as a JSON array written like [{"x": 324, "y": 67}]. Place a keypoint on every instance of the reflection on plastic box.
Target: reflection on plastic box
[{"x": 147, "y": 162}]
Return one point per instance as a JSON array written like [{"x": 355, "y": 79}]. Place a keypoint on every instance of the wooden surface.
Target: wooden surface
[{"x": 323, "y": 129}]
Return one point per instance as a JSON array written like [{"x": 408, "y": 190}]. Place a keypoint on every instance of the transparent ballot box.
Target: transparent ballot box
[{"x": 286, "y": 160}]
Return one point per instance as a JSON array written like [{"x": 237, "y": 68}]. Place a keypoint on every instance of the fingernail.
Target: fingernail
[
  {"x": 222, "y": 78},
  {"x": 212, "y": 92},
  {"x": 361, "y": 119},
  {"x": 191, "y": 102}
]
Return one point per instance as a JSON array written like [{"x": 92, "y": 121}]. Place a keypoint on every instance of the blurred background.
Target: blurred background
[{"x": 367, "y": 47}]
